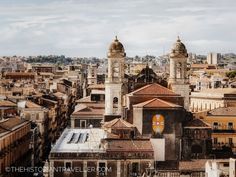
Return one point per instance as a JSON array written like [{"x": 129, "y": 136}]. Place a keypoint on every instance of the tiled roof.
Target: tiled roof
[
  {"x": 228, "y": 111},
  {"x": 30, "y": 104},
  {"x": 10, "y": 123},
  {"x": 20, "y": 74},
  {"x": 157, "y": 103},
  {"x": 6, "y": 103},
  {"x": 86, "y": 110},
  {"x": 153, "y": 89},
  {"x": 197, "y": 123},
  {"x": 118, "y": 123},
  {"x": 192, "y": 165},
  {"x": 129, "y": 145}
]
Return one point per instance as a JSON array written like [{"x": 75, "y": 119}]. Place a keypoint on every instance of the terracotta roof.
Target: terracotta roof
[
  {"x": 197, "y": 123},
  {"x": 6, "y": 103},
  {"x": 157, "y": 103},
  {"x": 193, "y": 165},
  {"x": 129, "y": 145},
  {"x": 19, "y": 74},
  {"x": 228, "y": 111},
  {"x": 153, "y": 89},
  {"x": 30, "y": 104},
  {"x": 10, "y": 123},
  {"x": 85, "y": 110},
  {"x": 118, "y": 123}
]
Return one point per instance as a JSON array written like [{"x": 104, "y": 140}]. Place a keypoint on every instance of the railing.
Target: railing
[{"x": 223, "y": 130}]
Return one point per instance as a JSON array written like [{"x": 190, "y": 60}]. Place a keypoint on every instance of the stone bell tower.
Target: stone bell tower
[
  {"x": 115, "y": 79},
  {"x": 178, "y": 80}
]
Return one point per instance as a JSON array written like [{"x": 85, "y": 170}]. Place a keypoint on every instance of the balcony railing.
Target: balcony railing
[{"x": 224, "y": 131}]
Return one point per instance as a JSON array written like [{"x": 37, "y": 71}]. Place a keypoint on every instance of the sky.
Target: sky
[{"x": 85, "y": 28}]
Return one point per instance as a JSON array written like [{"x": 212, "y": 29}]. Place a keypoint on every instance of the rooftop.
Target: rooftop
[
  {"x": 80, "y": 140},
  {"x": 217, "y": 92},
  {"x": 89, "y": 110},
  {"x": 153, "y": 89},
  {"x": 157, "y": 103},
  {"x": 6, "y": 103},
  {"x": 96, "y": 86},
  {"x": 228, "y": 111},
  {"x": 129, "y": 145},
  {"x": 11, "y": 123},
  {"x": 118, "y": 123},
  {"x": 30, "y": 104},
  {"x": 197, "y": 123},
  {"x": 192, "y": 165}
]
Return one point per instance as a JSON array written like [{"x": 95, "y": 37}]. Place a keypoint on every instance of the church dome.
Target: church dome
[
  {"x": 179, "y": 49},
  {"x": 116, "y": 46}
]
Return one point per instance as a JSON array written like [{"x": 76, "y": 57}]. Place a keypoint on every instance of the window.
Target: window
[
  {"x": 215, "y": 140},
  {"x": 102, "y": 169},
  {"x": 83, "y": 123},
  {"x": 68, "y": 165},
  {"x": 230, "y": 126},
  {"x": 135, "y": 169},
  {"x": 230, "y": 141},
  {"x": 215, "y": 125}
]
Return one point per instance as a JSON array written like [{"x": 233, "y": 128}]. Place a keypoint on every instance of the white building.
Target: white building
[
  {"x": 208, "y": 99},
  {"x": 220, "y": 168},
  {"x": 92, "y": 74},
  {"x": 213, "y": 58}
]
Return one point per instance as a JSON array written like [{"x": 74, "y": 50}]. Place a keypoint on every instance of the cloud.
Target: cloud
[{"x": 86, "y": 28}]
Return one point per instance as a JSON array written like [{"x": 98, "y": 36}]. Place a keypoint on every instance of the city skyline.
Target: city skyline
[{"x": 82, "y": 28}]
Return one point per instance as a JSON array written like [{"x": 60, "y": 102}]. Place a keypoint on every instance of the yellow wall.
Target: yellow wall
[{"x": 222, "y": 136}]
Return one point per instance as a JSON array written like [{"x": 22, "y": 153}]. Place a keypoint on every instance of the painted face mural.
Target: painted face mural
[{"x": 158, "y": 123}]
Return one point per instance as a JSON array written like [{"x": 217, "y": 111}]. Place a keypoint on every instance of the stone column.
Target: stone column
[
  {"x": 172, "y": 70},
  {"x": 118, "y": 169}
]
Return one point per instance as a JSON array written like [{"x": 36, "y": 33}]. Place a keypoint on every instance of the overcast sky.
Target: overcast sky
[{"x": 87, "y": 27}]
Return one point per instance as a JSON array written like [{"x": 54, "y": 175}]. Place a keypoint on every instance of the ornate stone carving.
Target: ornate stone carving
[{"x": 179, "y": 50}]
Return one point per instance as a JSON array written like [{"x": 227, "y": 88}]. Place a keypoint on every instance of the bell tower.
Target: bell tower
[
  {"x": 178, "y": 80},
  {"x": 115, "y": 79}
]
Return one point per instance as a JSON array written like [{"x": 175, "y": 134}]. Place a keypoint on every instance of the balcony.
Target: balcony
[
  {"x": 221, "y": 145},
  {"x": 223, "y": 130}
]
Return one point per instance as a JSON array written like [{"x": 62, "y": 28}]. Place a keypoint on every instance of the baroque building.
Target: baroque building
[
  {"x": 114, "y": 84},
  {"x": 178, "y": 80}
]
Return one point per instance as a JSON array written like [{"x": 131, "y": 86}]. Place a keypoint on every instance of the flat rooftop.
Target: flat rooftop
[
  {"x": 80, "y": 140},
  {"x": 217, "y": 92}
]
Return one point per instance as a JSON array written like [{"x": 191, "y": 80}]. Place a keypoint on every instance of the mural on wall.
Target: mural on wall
[{"x": 158, "y": 123}]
